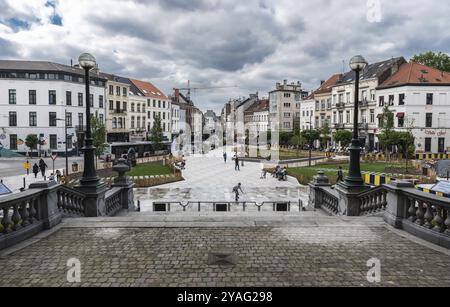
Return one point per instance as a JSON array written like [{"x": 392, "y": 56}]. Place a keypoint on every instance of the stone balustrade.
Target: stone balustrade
[
  {"x": 71, "y": 202},
  {"x": 424, "y": 215},
  {"x": 113, "y": 201},
  {"x": 373, "y": 201}
]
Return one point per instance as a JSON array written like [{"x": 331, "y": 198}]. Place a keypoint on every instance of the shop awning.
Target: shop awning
[{"x": 400, "y": 115}]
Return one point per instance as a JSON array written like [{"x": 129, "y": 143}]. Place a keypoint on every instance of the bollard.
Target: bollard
[
  {"x": 24, "y": 183},
  {"x": 138, "y": 206}
]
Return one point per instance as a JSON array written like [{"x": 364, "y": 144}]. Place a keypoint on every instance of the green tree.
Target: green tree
[
  {"x": 438, "y": 60},
  {"x": 311, "y": 135},
  {"x": 387, "y": 136},
  {"x": 31, "y": 141},
  {"x": 156, "y": 134},
  {"x": 344, "y": 137},
  {"x": 98, "y": 130},
  {"x": 405, "y": 142},
  {"x": 325, "y": 135}
]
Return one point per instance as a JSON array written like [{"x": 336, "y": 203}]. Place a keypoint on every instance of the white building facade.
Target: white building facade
[
  {"x": 419, "y": 97},
  {"x": 37, "y": 97}
]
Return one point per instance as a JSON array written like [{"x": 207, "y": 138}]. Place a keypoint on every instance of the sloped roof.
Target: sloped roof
[
  {"x": 372, "y": 71},
  {"x": 42, "y": 66},
  {"x": 417, "y": 74},
  {"x": 258, "y": 106},
  {"x": 148, "y": 89}
]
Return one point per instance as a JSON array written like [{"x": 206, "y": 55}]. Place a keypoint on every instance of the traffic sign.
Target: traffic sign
[{"x": 54, "y": 156}]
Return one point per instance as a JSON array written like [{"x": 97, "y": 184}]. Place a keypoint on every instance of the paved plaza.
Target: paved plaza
[
  {"x": 208, "y": 178},
  {"x": 288, "y": 251}
]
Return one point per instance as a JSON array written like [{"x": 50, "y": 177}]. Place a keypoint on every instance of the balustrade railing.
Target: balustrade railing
[
  {"x": 113, "y": 201},
  {"x": 70, "y": 202},
  {"x": 330, "y": 200},
  {"x": 19, "y": 212},
  {"x": 373, "y": 201},
  {"x": 428, "y": 212}
]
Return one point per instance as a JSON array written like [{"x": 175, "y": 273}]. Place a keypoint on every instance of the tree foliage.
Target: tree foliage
[
  {"x": 156, "y": 134},
  {"x": 344, "y": 137},
  {"x": 98, "y": 130},
  {"x": 438, "y": 60},
  {"x": 325, "y": 135},
  {"x": 31, "y": 141}
]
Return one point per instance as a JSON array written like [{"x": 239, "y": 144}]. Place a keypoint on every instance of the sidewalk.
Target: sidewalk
[{"x": 15, "y": 183}]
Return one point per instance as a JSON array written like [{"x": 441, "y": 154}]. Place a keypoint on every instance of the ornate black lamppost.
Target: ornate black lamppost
[
  {"x": 354, "y": 179},
  {"x": 90, "y": 178}
]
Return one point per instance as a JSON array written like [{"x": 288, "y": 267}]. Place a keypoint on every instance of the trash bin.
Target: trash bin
[{"x": 74, "y": 167}]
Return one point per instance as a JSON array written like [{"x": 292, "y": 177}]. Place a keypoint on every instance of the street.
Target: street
[{"x": 14, "y": 166}]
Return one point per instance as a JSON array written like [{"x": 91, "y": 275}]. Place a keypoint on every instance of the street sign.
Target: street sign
[
  {"x": 4, "y": 189},
  {"x": 54, "y": 156},
  {"x": 26, "y": 166}
]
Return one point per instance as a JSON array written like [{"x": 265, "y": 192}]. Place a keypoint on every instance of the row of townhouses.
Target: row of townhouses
[
  {"x": 419, "y": 97},
  {"x": 41, "y": 98}
]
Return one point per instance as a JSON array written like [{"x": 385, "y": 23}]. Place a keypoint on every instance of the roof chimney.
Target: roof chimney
[
  {"x": 322, "y": 82},
  {"x": 285, "y": 82}
]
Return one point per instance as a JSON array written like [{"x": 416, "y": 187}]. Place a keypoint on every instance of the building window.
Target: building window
[
  {"x": 329, "y": 103},
  {"x": 52, "y": 119},
  {"x": 429, "y": 120},
  {"x": 132, "y": 107},
  {"x": 287, "y": 105},
  {"x": 69, "y": 119},
  {"x": 114, "y": 123},
  {"x": 100, "y": 102},
  {"x": 111, "y": 105},
  {"x": 120, "y": 123},
  {"x": 391, "y": 100},
  {"x": 69, "y": 98},
  {"x": 138, "y": 108},
  {"x": 111, "y": 90},
  {"x": 81, "y": 120},
  {"x": 348, "y": 97},
  {"x": 381, "y": 104},
  {"x": 125, "y": 92},
  {"x": 372, "y": 116},
  {"x": 32, "y": 96},
  {"x": 429, "y": 99},
  {"x": 132, "y": 122},
  {"x": 138, "y": 122},
  {"x": 101, "y": 118},
  {"x": 341, "y": 98},
  {"x": 12, "y": 97},
  {"x": 52, "y": 97},
  {"x": 348, "y": 117},
  {"x": 427, "y": 144},
  {"x": 159, "y": 104},
  {"x": 401, "y": 99},
  {"x": 118, "y": 91},
  {"x": 53, "y": 142},
  {"x": 287, "y": 125},
  {"x": 33, "y": 119},
  {"x": 287, "y": 95},
  {"x": 13, "y": 119},
  {"x": 91, "y": 100},
  {"x": 154, "y": 103},
  {"x": 401, "y": 122},
  {"x": 372, "y": 95},
  {"x": 13, "y": 141},
  {"x": 80, "y": 99},
  {"x": 287, "y": 115},
  {"x": 164, "y": 104}
]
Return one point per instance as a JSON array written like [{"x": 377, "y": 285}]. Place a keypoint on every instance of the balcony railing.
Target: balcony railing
[
  {"x": 340, "y": 105},
  {"x": 363, "y": 126},
  {"x": 339, "y": 126}
]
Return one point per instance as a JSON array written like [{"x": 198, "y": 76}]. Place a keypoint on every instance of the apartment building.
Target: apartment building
[
  {"x": 157, "y": 104},
  {"x": 343, "y": 99},
  {"x": 285, "y": 105},
  {"x": 37, "y": 97},
  {"x": 323, "y": 102},
  {"x": 419, "y": 96},
  {"x": 257, "y": 117},
  {"x": 117, "y": 123}
]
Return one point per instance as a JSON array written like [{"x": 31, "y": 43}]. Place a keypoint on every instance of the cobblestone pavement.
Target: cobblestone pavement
[{"x": 266, "y": 256}]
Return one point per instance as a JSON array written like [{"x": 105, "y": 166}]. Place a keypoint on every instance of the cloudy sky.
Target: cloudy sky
[{"x": 251, "y": 44}]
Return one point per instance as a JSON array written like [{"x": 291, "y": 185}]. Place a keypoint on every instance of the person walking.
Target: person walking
[
  {"x": 35, "y": 170},
  {"x": 27, "y": 166},
  {"x": 225, "y": 157},
  {"x": 236, "y": 191},
  {"x": 43, "y": 167},
  {"x": 340, "y": 176},
  {"x": 236, "y": 164}
]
